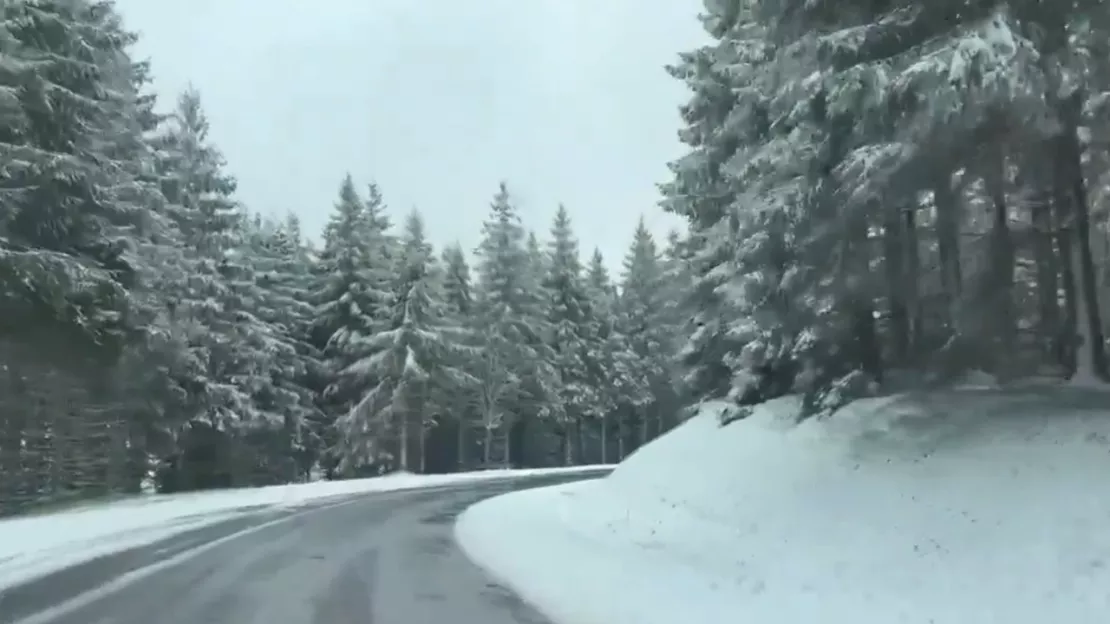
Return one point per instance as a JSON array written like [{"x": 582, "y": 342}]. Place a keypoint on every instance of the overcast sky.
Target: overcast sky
[{"x": 436, "y": 101}]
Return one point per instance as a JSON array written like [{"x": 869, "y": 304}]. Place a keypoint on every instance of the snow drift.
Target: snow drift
[{"x": 973, "y": 505}]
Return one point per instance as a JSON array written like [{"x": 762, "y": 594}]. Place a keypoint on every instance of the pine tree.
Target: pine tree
[
  {"x": 603, "y": 347},
  {"x": 282, "y": 273},
  {"x": 162, "y": 369},
  {"x": 460, "y": 315},
  {"x": 409, "y": 360},
  {"x": 64, "y": 224},
  {"x": 674, "y": 324},
  {"x": 353, "y": 293},
  {"x": 76, "y": 216},
  {"x": 541, "y": 386},
  {"x": 570, "y": 318},
  {"x": 506, "y": 299},
  {"x": 213, "y": 301},
  {"x": 641, "y": 321},
  {"x": 726, "y": 112}
]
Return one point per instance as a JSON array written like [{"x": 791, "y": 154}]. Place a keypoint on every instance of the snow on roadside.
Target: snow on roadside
[
  {"x": 33, "y": 546},
  {"x": 968, "y": 506}
]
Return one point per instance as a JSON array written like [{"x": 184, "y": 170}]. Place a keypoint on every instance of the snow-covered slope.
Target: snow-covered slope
[{"x": 970, "y": 506}]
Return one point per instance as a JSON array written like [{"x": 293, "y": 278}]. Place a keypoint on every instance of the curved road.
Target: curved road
[{"x": 386, "y": 558}]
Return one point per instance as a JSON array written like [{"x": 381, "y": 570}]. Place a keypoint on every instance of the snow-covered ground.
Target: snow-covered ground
[
  {"x": 34, "y": 546},
  {"x": 970, "y": 506}
]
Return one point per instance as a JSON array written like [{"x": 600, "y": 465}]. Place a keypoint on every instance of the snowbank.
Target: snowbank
[
  {"x": 34, "y": 546},
  {"x": 965, "y": 507}
]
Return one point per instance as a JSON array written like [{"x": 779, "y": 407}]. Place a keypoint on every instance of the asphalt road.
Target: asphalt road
[{"x": 386, "y": 558}]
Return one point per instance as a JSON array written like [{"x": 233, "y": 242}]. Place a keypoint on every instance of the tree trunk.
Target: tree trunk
[
  {"x": 622, "y": 432},
  {"x": 580, "y": 442},
  {"x": 565, "y": 443},
  {"x": 1002, "y": 263},
  {"x": 913, "y": 272},
  {"x": 1063, "y": 218},
  {"x": 894, "y": 256},
  {"x": 487, "y": 447},
  {"x": 864, "y": 334},
  {"x": 1046, "y": 263},
  {"x": 461, "y": 459},
  {"x": 423, "y": 448},
  {"x": 403, "y": 441},
  {"x": 1072, "y": 166},
  {"x": 604, "y": 438},
  {"x": 1086, "y": 370},
  {"x": 948, "y": 246}
]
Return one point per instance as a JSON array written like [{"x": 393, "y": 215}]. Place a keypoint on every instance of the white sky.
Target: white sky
[{"x": 436, "y": 101}]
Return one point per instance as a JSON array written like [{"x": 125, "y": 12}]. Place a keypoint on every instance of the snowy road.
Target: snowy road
[{"x": 386, "y": 558}]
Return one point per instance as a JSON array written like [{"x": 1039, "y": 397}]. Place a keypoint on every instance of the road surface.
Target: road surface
[{"x": 386, "y": 558}]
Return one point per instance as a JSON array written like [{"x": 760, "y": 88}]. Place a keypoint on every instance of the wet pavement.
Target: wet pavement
[{"x": 386, "y": 558}]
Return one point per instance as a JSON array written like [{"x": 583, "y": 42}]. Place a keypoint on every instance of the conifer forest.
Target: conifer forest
[
  {"x": 877, "y": 195},
  {"x": 156, "y": 331}
]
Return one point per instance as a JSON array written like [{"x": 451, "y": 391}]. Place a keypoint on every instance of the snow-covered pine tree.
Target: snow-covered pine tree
[
  {"x": 932, "y": 124},
  {"x": 609, "y": 352},
  {"x": 353, "y": 295},
  {"x": 456, "y": 281},
  {"x": 678, "y": 283},
  {"x": 214, "y": 302},
  {"x": 71, "y": 207},
  {"x": 641, "y": 320},
  {"x": 259, "y": 345},
  {"x": 63, "y": 253},
  {"x": 411, "y": 360},
  {"x": 598, "y": 280},
  {"x": 460, "y": 314},
  {"x": 541, "y": 386},
  {"x": 282, "y": 274},
  {"x": 344, "y": 268},
  {"x": 758, "y": 190},
  {"x": 386, "y": 249},
  {"x": 570, "y": 317},
  {"x": 301, "y": 262},
  {"x": 170, "y": 368},
  {"x": 158, "y": 370},
  {"x": 674, "y": 326},
  {"x": 506, "y": 294},
  {"x": 703, "y": 192}
]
